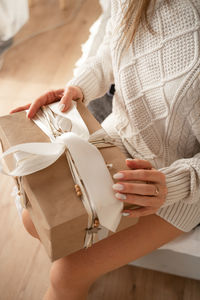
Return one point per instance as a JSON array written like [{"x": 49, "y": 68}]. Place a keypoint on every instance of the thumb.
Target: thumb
[
  {"x": 71, "y": 93},
  {"x": 138, "y": 163}
]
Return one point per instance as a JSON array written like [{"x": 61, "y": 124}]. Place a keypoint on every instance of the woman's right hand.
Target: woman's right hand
[{"x": 64, "y": 95}]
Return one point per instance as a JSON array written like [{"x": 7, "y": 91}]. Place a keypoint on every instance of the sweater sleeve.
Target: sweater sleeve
[
  {"x": 96, "y": 75},
  {"x": 183, "y": 175},
  {"x": 183, "y": 180}
]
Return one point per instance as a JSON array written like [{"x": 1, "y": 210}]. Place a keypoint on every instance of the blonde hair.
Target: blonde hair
[{"x": 134, "y": 15}]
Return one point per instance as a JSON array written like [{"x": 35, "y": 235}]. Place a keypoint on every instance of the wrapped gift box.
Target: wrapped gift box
[{"x": 57, "y": 212}]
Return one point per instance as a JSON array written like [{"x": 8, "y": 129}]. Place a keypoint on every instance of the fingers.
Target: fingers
[
  {"x": 138, "y": 163},
  {"x": 66, "y": 97},
  {"x": 135, "y": 188},
  {"x": 20, "y": 108},
  {"x": 65, "y": 101},
  {"x": 154, "y": 202},
  {"x": 35, "y": 106},
  {"x": 139, "y": 212},
  {"x": 149, "y": 193},
  {"x": 47, "y": 98},
  {"x": 152, "y": 175},
  {"x": 142, "y": 171},
  {"x": 71, "y": 93}
]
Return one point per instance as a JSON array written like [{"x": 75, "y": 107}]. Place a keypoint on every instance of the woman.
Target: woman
[{"x": 151, "y": 53}]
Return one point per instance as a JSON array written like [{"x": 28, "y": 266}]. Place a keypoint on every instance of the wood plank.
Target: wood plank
[{"x": 133, "y": 283}]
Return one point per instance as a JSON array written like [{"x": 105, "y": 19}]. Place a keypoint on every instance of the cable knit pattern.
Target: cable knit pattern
[{"x": 156, "y": 108}]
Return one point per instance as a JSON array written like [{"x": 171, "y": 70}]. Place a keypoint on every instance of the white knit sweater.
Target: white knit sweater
[{"x": 156, "y": 107}]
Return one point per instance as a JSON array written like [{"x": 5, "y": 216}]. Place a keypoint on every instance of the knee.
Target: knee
[
  {"x": 61, "y": 275},
  {"x": 64, "y": 275},
  {"x": 28, "y": 224}
]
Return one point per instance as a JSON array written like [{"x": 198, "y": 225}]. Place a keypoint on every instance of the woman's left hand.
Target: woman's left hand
[{"x": 149, "y": 193}]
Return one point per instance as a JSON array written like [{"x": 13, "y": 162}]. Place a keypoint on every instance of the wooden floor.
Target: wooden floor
[{"x": 42, "y": 63}]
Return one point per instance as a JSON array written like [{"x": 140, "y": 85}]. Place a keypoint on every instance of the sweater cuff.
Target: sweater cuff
[
  {"x": 87, "y": 82},
  {"x": 178, "y": 185}
]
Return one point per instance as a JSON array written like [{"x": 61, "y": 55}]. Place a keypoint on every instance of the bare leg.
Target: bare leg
[
  {"x": 28, "y": 224},
  {"x": 72, "y": 276}
]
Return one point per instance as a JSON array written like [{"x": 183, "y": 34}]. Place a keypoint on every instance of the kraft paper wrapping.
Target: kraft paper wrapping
[{"x": 56, "y": 211}]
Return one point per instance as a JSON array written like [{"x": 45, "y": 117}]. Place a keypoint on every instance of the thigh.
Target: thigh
[
  {"x": 150, "y": 233},
  {"x": 28, "y": 224}
]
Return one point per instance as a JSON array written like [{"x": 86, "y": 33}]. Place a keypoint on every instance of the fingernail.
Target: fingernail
[
  {"x": 27, "y": 114},
  {"x": 130, "y": 159},
  {"x": 125, "y": 214},
  {"x": 118, "y": 175},
  {"x": 61, "y": 106},
  {"x": 120, "y": 196},
  {"x": 118, "y": 187}
]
